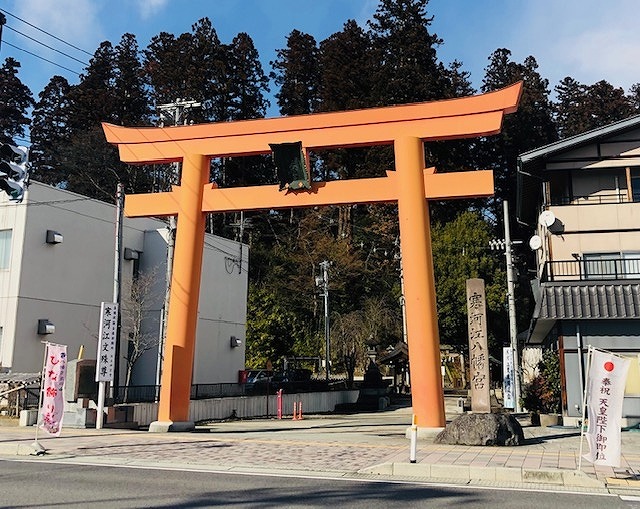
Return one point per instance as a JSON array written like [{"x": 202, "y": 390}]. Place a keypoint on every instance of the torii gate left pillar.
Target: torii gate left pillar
[{"x": 411, "y": 185}]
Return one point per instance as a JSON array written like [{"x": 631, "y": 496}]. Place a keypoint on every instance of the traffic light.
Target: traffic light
[
  {"x": 14, "y": 170},
  {"x": 290, "y": 164}
]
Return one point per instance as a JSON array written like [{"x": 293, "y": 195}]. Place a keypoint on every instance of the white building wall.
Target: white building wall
[
  {"x": 12, "y": 217},
  {"x": 66, "y": 283}
]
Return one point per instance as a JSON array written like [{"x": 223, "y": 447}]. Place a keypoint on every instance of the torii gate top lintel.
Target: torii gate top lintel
[{"x": 436, "y": 120}]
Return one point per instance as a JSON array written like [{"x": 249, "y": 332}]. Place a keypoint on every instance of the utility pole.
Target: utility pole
[
  {"x": 3, "y": 21},
  {"x": 513, "y": 327},
  {"x": 323, "y": 283},
  {"x": 507, "y": 244},
  {"x": 117, "y": 282},
  {"x": 174, "y": 113}
]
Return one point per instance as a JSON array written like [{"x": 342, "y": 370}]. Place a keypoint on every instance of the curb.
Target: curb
[
  {"x": 21, "y": 449},
  {"x": 567, "y": 478}
]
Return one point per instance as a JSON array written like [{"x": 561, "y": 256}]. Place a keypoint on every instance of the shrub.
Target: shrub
[{"x": 543, "y": 393}]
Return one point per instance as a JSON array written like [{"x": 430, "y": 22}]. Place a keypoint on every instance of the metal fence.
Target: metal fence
[
  {"x": 151, "y": 393},
  {"x": 592, "y": 269}
]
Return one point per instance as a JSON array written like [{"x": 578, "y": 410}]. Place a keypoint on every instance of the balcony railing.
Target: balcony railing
[
  {"x": 590, "y": 270},
  {"x": 593, "y": 199}
]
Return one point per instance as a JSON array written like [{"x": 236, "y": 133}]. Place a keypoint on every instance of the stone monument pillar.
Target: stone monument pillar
[{"x": 478, "y": 351}]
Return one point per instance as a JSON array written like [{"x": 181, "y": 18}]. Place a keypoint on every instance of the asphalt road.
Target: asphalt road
[{"x": 43, "y": 484}]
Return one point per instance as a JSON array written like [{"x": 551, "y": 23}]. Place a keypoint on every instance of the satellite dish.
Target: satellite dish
[
  {"x": 535, "y": 242},
  {"x": 547, "y": 218}
]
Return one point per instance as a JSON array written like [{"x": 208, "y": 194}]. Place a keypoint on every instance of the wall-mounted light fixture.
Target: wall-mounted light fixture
[
  {"x": 131, "y": 254},
  {"x": 45, "y": 326},
  {"x": 235, "y": 342},
  {"x": 53, "y": 237}
]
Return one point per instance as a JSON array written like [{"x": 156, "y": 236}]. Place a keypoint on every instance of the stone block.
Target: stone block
[
  {"x": 506, "y": 474},
  {"x": 28, "y": 417},
  {"x": 482, "y": 429},
  {"x": 450, "y": 471},
  {"x": 80, "y": 380},
  {"x": 482, "y": 473}
]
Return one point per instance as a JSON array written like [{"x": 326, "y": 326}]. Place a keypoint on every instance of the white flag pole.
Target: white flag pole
[{"x": 584, "y": 404}]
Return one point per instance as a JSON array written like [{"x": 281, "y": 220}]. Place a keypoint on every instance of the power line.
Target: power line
[
  {"x": 45, "y": 32},
  {"x": 46, "y": 45},
  {"x": 41, "y": 58}
]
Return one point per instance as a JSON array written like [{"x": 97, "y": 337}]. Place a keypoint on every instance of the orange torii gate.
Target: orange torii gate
[{"x": 405, "y": 127}]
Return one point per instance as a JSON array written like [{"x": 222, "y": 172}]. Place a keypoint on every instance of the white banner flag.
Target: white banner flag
[
  {"x": 605, "y": 391},
  {"x": 53, "y": 375}
]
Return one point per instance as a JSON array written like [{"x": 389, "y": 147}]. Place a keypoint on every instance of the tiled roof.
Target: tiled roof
[{"x": 589, "y": 301}]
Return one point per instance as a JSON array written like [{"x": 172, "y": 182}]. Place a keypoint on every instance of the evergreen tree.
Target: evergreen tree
[
  {"x": 407, "y": 69},
  {"x": 345, "y": 69},
  {"x": 209, "y": 77},
  {"x": 531, "y": 126},
  {"x": 296, "y": 72},
  {"x": 607, "y": 104},
  {"x": 93, "y": 100},
  {"x": 130, "y": 90},
  {"x": 247, "y": 85},
  {"x": 247, "y": 80},
  {"x": 15, "y": 101},
  {"x": 164, "y": 63},
  {"x": 634, "y": 98},
  {"x": 580, "y": 108},
  {"x": 570, "y": 113},
  {"x": 50, "y": 132}
]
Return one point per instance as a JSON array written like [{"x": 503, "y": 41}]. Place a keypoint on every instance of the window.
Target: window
[
  {"x": 5, "y": 248},
  {"x": 631, "y": 265},
  {"x": 602, "y": 265},
  {"x": 612, "y": 265},
  {"x": 635, "y": 185}
]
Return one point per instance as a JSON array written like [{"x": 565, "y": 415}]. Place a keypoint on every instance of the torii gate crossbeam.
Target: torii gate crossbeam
[{"x": 405, "y": 127}]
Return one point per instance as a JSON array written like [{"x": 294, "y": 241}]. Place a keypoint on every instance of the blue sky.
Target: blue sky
[{"x": 588, "y": 40}]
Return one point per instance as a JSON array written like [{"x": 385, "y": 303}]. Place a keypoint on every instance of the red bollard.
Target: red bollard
[
  {"x": 300, "y": 410},
  {"x": 279, "y": 398}
]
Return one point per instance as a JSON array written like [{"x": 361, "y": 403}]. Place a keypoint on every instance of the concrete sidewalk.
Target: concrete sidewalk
[{"x": 358, "y": 445}]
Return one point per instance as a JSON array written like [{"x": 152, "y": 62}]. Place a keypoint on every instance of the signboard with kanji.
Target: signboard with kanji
[
  {"x": 478, "y": 351},
  {"x": 508, "y": 378},
  {"x": 106, "y": 356}
]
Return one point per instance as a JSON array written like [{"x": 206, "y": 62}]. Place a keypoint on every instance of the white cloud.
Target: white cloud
[
  {"x": 589, "y": 40},
  {"x": 74, "y": 21},
  {"x": 148, "y": 8}
]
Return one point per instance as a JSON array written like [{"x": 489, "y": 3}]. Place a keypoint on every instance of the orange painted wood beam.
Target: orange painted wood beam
[
  {"x": 465, "y": 117},
  {"x": 438, "y": 186}
]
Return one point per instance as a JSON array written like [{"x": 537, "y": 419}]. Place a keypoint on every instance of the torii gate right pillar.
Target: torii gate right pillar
[{"x": 419, "y": 285}]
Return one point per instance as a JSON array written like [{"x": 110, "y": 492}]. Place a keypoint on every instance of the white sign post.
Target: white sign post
[
  {"x": 508, "y": 378},
  {"x": 106, "y": 356}
]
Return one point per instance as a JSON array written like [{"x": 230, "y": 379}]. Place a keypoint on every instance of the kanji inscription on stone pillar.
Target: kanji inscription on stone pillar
[{"x": 478, "y": 351}]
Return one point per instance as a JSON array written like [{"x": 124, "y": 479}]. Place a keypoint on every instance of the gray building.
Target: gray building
[
  {"x": 57, "y": 266},
  {"x": 581, "y": 198}
]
